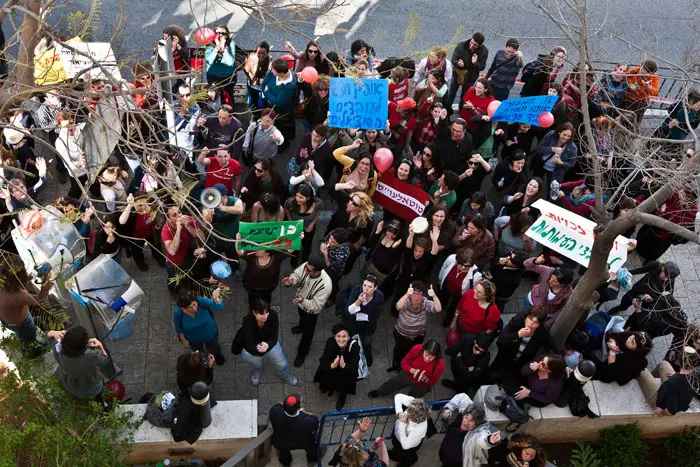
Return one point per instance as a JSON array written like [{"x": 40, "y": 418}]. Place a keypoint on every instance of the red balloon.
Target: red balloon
[
  {"x": 493, "y": 106},
  {"x": 205, "y": 36},
  {"x": 290, "y": 60},
  {"x": 309, "y": 75},
  {"x": 452, "y": 338},
  {"x": 114, "y": 390},
  {"x": 383, "y": 158},
  {"x": 545, "y": 119}
]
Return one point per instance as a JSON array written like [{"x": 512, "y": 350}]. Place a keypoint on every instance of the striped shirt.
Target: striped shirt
[{"x": 412, "y": 323}]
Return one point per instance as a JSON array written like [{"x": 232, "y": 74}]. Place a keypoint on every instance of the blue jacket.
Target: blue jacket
[
  {"x": 568, "y": 157},
  {"x": 224, "y": 67},
  {"x": 280, "y": 97}
]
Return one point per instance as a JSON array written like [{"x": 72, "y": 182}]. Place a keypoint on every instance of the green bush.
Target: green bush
[
  {"x": 622, "y": 446},
  {"x": 684, "y": 448},
  {"x": 584, "y": 456}
]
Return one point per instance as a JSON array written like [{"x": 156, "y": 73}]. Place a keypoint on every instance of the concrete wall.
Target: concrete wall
[
  {"x": 234, "y": 423},
  {"x": 615, "y": 404}
]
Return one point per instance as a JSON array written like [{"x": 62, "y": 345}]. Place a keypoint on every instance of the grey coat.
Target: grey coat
[{"x": 81, "y": 375}]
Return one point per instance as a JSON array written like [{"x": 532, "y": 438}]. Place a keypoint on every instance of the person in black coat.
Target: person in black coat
[
  {"x": 337, "y": 368},
  {"x": 658, "y": 316},
  {"x": 193, "y": 367},
  {"x": 362, "y": 310},
  {"x": 516, "y": 136},
  {"x": 418, "y": 260},
  {"x": 470, "y": 363},
  {"x": 675, "y": 394},
  {"x": 293, "y": 428},
  {"x": 659, "y": 278},
  {"x": 521, "y": 340},
  {"x": 506, "y": 275},
  {"x": 626, "y": 357}
]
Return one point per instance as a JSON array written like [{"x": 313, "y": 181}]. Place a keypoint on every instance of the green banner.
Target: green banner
[{"x": 271, "y": 235}]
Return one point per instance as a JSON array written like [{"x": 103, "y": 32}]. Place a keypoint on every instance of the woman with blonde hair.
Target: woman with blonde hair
[
  {"x": 410, "y": 429},
  {"x": 357, "y": 175},
  {"x": 356, "y": 218},
  {"x": 436, "y": 60}
]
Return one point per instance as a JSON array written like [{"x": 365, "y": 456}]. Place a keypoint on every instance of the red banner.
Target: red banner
[{"x": 405, "y": 200}]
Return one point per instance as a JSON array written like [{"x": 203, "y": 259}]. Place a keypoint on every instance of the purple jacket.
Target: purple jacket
[{"x": 540, "y": 291}]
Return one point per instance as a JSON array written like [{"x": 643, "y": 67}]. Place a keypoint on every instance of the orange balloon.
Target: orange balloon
[
  {"x": 493, "y": 106},
  {"x": 309, "y": 75}
]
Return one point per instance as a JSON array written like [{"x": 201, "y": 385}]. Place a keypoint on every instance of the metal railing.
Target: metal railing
[
  {"x": 336, "y": 427},
  {"x": 255, "y": 453}
]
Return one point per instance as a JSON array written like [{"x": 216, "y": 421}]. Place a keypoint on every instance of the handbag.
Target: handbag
[
  {"x": 517, "y": 412},
  {"x": 237, "y": 343},
  {"x": 362, "y": 368},
  {"x": 300, "y": 109},
  {"x": 459, "y": 75}
]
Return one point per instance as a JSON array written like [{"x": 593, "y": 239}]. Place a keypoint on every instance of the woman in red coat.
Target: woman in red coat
[
  {"x": 422, "y": 368},
  {"x": 477, "y": 312}
]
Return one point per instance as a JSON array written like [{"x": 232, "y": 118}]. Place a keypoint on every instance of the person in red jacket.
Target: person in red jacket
[
  {"x": 477, "y": 311},
  {"x": 422, "y": 368},
  {"x": 476, "y": 103},
  {"x": 580, "y": 200}
]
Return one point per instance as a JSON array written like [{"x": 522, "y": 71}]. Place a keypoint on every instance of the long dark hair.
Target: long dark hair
[
  {"x": 433, "y": 348},
  {"x": 518, "y": 221},
  {"x": 308, "y": 192}
]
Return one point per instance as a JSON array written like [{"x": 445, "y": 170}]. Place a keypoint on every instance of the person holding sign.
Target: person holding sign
[{"x": 262, "y": 272}]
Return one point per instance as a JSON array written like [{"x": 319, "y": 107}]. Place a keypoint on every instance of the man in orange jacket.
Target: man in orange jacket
[{"x": 642, "y": 84}]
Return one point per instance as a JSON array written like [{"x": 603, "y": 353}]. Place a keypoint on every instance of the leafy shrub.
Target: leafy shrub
[
  {"x": 584, "y": 456},
  {"x": 622, "y": 446},
  {"x": 684, "y": 448}
]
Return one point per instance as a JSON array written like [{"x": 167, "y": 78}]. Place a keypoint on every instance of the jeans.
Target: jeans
[
  {"x": 367, "y": 346},
  {"x": 501, "y": 94},
  {"x": 171, "y": 269},
  {"x": 26, "y": 333},
  {"x": 526, "y": 306},
  {"x": 274, "y": 356},
  {"x": 307, "y": 323}
]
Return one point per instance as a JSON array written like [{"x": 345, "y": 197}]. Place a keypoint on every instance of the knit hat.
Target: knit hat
[
  {"x": 672, "y": 269},
  {"x": 406, "y": 104},
  {"x": 624, "y": 279},
  {"x": 292, "y": 404}
]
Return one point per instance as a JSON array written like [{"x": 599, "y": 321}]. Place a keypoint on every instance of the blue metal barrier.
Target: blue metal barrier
[{"x": 336, "y": 427}]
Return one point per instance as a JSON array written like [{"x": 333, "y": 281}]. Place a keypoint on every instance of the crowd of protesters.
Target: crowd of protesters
[{"x": 465, "y": 266}]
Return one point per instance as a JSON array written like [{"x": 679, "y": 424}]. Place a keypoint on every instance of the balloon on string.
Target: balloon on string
[
  {"x": 383, "y": 158},
  {"x": 289, "y": 59},
  {"x": 309, "y": 75},
  {"x": 205, "y": 36},
  {"x": 545, "y": 119},
  {"x": 493, "y": 106}
]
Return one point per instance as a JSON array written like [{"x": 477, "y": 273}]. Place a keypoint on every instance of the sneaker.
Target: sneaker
[
  {"x": 340, "y": 403},
  {"x": 393, "y": 368},
  {"x": 292, "y": 380},
  {"x": 220, "y": 360},
  {"x": 448, "y": 383},
  {"x": 299, "y": 361},
  {"x": 255, "y": 380},
  {"x": 373, "y": 394},
  {"x": 142, "y": 266},
  {"x": 296, "y": 330}
]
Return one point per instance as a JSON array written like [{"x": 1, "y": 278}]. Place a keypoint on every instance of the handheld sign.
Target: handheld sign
[
  {"x": 524, "y": 109},
  {"x": 572, "y": 235},
  {"x": 362, "y": 103},
  {"x": 405, "y": 200},
  {"x": 271, "y": 235}
]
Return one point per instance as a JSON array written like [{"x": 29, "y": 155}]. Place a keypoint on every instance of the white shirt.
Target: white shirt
[{"x": 409, "y": 434}]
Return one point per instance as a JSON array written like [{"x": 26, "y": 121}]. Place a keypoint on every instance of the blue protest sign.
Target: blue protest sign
[
  {"x": 360, "y": 103},
  {"x": 524, "y": 109}
]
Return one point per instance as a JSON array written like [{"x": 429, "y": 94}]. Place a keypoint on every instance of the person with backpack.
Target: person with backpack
[
  {"x": 422, "y": 368},
  {"x": 469, "y": 437},
  {"x": 538, "y": 74},
  {"x": 293, "y": 428},
  {"x": 337, "y": 367},
  {"x": 504, "y": 69}
]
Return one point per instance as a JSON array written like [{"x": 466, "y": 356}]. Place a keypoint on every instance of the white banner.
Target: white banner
[
  {"x": 572, "y": 235},
  {"x": 75, "y": 63},
  {"x": 402, "y": 198}
]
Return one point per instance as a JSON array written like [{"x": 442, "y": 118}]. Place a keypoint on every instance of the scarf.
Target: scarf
[{"x": 581, "y": 199}]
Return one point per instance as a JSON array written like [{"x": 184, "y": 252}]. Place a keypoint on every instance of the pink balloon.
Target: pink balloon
[
  {"x": 309, "y": 75},
  {"x": 383, "y": 158},
  {"x": 205, "y": 36},
  {"x": 493, "y": 106},
  {"x": 545, "y": 119}
]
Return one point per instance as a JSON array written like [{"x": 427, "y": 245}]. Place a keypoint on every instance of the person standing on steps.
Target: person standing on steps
[
  {"x": 363, "y": 308},
  {"x": 293, "y": 428},
  {"x": 314, "y": 287}
]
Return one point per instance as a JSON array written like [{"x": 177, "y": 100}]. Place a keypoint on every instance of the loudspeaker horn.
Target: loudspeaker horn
[{"x": 210, "y": 198}]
